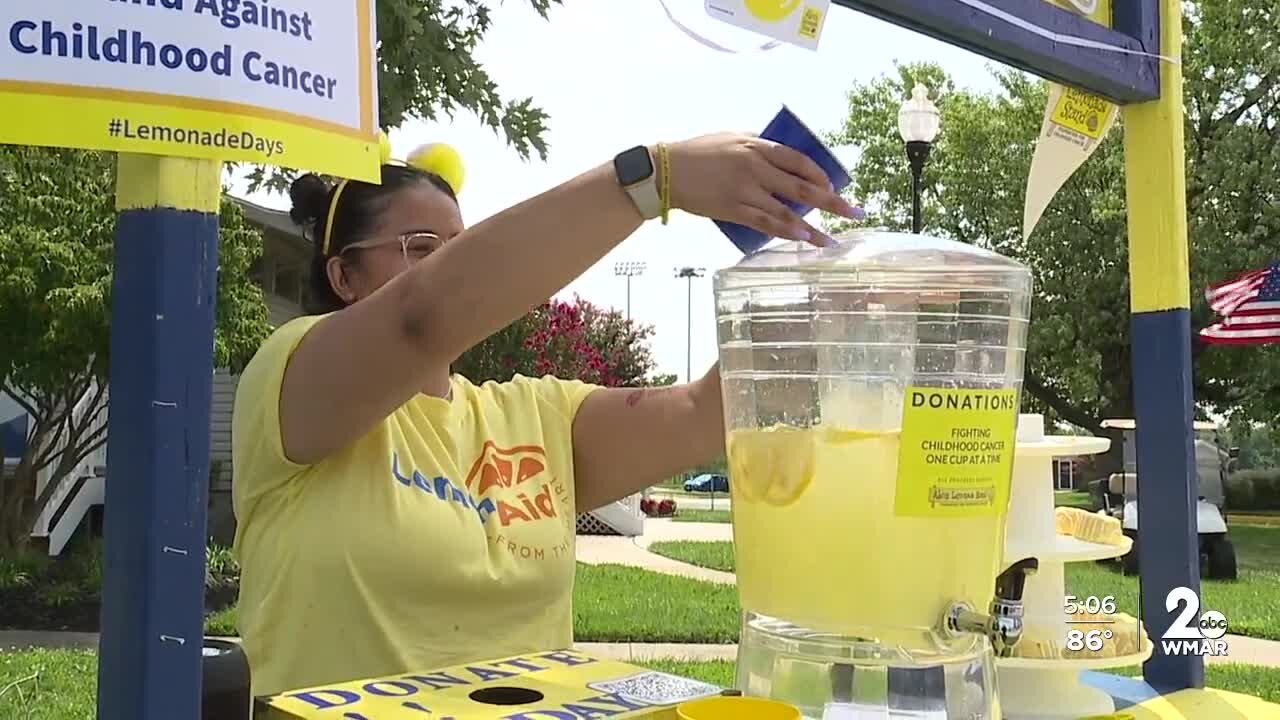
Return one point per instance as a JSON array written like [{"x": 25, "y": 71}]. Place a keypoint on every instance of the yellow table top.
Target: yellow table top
[
  {"x": 1206, "y": 704},
  {"x": 538, "y": 686},
  {"x": 569, "y": 684}
]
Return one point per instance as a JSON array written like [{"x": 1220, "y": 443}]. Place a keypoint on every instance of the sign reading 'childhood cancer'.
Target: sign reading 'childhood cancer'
[{"x": 284, "y": 82}]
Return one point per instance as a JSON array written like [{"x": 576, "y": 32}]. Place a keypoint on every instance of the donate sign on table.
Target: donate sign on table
[{"x": 285, "y": 82}]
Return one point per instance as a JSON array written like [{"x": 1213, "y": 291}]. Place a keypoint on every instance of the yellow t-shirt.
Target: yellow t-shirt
[{"x": 444, "y": 535}]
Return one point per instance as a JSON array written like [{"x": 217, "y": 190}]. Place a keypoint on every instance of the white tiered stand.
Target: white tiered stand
[{"x": 1050, "y": 689}]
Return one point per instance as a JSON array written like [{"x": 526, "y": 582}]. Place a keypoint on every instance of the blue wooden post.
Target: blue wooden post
[
  {"x": 1168, "y": 544},
  {"x": 162, "y": 320},
  {"x": 1160, "y": 297}
]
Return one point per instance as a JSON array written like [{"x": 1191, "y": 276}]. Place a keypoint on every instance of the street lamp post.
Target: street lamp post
[
  {"x": 918, "y": 124},
  {"x": 689, "y": 273},
  {"x": 628, "y": 270}
]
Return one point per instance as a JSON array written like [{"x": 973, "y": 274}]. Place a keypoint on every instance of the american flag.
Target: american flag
[{"x": 1250, "y": 309}]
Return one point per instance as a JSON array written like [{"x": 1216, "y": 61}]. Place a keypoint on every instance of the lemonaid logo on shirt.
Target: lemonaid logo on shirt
[
  {"x": 509, "y": 484},
  {"x": 507, "y": 468}
]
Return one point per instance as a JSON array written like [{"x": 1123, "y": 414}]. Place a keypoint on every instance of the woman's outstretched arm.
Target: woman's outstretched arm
[
  {"x": 627, "y": 439},
  {"x": 358, "y": 365}
]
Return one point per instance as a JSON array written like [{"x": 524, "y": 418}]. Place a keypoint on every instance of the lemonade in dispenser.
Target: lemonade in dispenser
[{"x": 871, "y": 395}]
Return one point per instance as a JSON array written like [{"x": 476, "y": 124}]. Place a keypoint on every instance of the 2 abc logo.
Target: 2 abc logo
[{"x": 1193, "y": 632}]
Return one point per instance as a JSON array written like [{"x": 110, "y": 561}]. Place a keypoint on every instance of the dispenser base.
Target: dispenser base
[
  {"x": 1024, "y": 694},
  {"x": 834, "y": 677}
]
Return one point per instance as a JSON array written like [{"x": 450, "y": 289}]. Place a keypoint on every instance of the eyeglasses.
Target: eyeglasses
[{"x": 413, "y": 245}]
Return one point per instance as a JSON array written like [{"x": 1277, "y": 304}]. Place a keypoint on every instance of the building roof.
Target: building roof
[{"x": 276, "y": 220}]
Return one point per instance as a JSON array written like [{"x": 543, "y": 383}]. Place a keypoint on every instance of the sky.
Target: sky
[{"x": 614, "y": 74}]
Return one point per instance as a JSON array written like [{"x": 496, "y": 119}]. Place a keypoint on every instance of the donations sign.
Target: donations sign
[{"x": 282, "y": 82}]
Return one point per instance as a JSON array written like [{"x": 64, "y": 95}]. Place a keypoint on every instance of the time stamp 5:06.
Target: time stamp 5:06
[{"x": 1192, "y": 632}]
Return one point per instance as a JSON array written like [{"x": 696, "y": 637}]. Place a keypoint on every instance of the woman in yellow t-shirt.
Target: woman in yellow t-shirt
[{"x": 392, "y": 517}]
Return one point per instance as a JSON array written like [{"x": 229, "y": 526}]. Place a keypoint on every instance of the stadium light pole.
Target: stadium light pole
[{"x": 628, "y": 270}]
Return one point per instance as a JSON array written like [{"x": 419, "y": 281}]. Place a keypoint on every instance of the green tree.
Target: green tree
[
  {"x": 1078, "y": 363},
  {"x": 1256, "y": 442},
  {"x": 567, "y": 339},
  {"x": 57, "y": 225},
  {"x": 426, "y": 67}
]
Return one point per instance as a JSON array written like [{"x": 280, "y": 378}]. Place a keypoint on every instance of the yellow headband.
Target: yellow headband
[{"x": 436, "y": 158}]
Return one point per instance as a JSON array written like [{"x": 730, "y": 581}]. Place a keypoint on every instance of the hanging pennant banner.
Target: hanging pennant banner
[
  {"x": 1075, "y": 123},
  {"x": 704, "y": 41},
  {"x": 798, "y": 22}
]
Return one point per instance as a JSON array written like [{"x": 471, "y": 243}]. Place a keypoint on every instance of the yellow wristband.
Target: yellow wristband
[{"x": 664, "y": 187}]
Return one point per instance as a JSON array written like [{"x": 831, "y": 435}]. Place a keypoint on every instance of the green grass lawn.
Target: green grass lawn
[
  {"x": 615, "y": 603},
  {"x": 711, "y": 516},
  {"x": 1249, "y": 604},
  {"x": 716, "y": 672},
  {"x": 1254, "y": 518},
  {"x": 48, "y": 684},
  {"x": 661, "y": 491},
  {"x": 709, "y": 554},
  {"x": 1072, "y": 498},
  {"x": 61, "y": 684}
]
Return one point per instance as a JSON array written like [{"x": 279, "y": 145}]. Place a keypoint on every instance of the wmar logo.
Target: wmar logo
[{"x": 489, "y": 485}]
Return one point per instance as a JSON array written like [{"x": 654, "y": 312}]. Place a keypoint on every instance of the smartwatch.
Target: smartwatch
[{"x": 635, "y": 172}]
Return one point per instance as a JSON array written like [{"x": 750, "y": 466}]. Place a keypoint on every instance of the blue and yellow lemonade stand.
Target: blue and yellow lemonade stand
[{"x": 1122, "y": 64}]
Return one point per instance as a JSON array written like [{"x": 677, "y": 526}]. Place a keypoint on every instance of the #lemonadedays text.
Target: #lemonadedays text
[{"x": 126, "y": 46}]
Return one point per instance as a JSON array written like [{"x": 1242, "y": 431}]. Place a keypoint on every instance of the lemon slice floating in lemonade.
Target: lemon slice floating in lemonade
[
  {"x": 775, "y": 465},
  {"x": 772, "y": 465}
]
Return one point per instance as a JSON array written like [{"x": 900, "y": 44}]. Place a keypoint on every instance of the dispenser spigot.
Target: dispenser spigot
[{"x": 1003, "y": 624}]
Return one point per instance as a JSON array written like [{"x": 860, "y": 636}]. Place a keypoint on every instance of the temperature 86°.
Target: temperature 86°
[
  {"x": 1091, "y": 640},
  {"x": 1089, "y": 604}
]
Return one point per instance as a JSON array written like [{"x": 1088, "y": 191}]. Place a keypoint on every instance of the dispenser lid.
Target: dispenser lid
[{"x": 882, "y": 250}]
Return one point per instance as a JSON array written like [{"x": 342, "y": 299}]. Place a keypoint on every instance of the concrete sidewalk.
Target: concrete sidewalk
[
  {"x": 667, "y": 530},
  {"x": 24, "y": 639},
  {"x": 614, "y": 550}
]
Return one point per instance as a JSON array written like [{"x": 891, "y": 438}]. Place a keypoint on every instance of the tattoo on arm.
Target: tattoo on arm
[{"x": 635, "y": 396}]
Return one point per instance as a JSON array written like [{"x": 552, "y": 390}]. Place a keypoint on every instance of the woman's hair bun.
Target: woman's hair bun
[{"x": 310, "y": 197}]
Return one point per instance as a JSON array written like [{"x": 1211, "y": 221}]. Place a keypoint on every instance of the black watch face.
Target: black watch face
[{"x": 633, "y": 166}]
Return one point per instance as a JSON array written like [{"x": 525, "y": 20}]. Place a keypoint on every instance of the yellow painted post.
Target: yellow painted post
[
  {"x": 1159, "y": 276},
  {"x": 1156, "y": 184},
  {"x": 162, "y": 318}
]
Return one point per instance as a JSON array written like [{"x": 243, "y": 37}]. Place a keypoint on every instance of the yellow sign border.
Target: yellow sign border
[{"x": 82, "y": 112}]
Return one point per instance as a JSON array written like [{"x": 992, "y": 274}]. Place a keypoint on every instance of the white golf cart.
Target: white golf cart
[{"x": 1119, "y": 498}]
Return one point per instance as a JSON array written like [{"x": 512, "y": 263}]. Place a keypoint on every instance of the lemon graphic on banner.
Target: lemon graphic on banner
[{"x": 771, "y": 10}]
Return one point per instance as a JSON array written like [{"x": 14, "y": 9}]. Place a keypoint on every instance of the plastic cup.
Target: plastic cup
[
  {"x": 737, "y": 708},
  {"x": 786, "y": 129}
]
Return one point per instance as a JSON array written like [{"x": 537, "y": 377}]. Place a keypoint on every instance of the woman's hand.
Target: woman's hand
[{"x": 738, "y": 178}]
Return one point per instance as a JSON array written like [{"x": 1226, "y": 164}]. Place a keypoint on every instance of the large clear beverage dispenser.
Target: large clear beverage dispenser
[{"x": 871, "y": 394}]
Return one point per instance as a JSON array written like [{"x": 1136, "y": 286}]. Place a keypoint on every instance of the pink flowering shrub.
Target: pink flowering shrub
[{"x": 572, "y": 340}]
